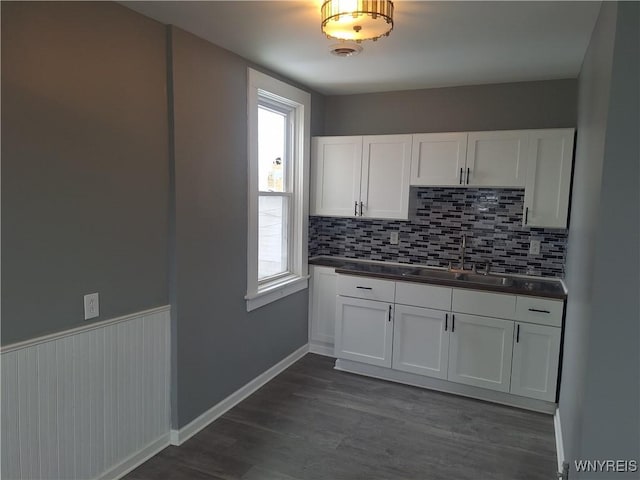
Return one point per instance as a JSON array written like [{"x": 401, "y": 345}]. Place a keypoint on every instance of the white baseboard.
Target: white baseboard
[
  {"x": 326, "y": 350},
  {"x": 136, "y": 459},
  {"x": 557, "y": 427},
  {"x": 178, "y": 437}
]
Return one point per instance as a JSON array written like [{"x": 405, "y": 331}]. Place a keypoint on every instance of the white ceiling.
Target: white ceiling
[{"x": 433, "y": 44}]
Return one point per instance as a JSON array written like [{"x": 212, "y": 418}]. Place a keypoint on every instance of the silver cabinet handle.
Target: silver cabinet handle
[
  {"x": 389, "y": 312},
  {"x": 526, "y": 215},
  {"x": 446, "y": 321},
  {"x": 364, "y": 288},
  {"x": 467, "y": 175},
  {"x": 360, "y": 208},
  {"x": 518, "y": 334},
  {"x": 453, "y": 323},
  {"x": 355, "y": 209},
  {"x": 461, "y": 176}
]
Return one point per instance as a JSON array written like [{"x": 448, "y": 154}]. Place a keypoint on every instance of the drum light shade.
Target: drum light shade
[{"x": 357, "y": 20}]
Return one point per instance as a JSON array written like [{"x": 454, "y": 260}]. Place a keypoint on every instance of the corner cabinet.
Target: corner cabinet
[
  {"x": 546, "y": 194},
  {"x": 322, "y": 308},
  {"x": 361, "y": 176}
]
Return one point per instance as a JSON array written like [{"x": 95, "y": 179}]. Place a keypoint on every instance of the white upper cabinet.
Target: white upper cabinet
[
  {"x": 361, "y": 176},
  {"x": 386, "y": 167},
  {"x": 370, "y": 176},
  {"x": 497, "y": 159},
  {"x": 474, "y": 159},
  {"x": 336, "y": 170},
  {"x": 546, "y": 195},
  {"x": 438, "y": 158}
]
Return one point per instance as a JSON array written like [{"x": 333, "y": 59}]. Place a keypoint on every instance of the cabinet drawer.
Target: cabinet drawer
[
  {"x": 483, "y": 303},
  {"x": 364, "y": 287},
  {"x": 427, "y": 296},
  {"x": 542, "y": 311}
]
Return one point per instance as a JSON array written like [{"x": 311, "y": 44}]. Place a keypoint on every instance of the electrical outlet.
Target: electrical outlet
[
  {"x": 91, "y": 306},
  {"x": 394, "y": 238},
  {"x": 534, "y": 247}
]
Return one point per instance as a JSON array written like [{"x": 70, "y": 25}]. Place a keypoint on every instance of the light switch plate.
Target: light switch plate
[
  {"x": 91, "y": 306},
  {"x": 394, "y": 238},
  {"x": 534, "y": 247}
]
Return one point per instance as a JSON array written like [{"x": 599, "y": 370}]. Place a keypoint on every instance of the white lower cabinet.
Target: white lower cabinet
[
  {"x": 480, "y": 351},
  {"x": 419, "y": 329},
  {"x": 322, "y": 305},
  {"x": 534, "y": 372},
  {"x": 364, "y": 330},
  {"x": 421, "y": 341}
]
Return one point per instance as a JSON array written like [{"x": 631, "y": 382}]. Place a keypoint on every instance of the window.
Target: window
[{"x": 278, "y": 144}]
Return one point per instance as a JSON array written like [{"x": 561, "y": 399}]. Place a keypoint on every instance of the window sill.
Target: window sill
[{"x": 275, "y": 291}]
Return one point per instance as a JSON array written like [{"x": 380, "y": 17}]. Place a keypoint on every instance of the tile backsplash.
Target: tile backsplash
[{"x": 491, "y": 219}]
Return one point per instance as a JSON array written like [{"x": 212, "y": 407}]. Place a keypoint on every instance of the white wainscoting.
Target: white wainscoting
[{"x": 89, "y": 403}]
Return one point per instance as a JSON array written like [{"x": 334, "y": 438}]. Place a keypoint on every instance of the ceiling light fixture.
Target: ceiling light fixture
[{"x": 357, "y": 20}]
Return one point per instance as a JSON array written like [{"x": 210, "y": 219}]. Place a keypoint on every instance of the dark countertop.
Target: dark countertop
[{"x": 530, "y": 286}]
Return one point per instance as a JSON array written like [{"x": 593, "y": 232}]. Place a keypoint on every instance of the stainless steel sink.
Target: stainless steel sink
[
  {"x": 440, "y": 274},
  {"x": 461, "y": 276},
  {"x": 488, "y": 279}
]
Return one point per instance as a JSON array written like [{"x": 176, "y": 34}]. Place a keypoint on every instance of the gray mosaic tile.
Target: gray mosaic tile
[{"x": 490, "y": 218}]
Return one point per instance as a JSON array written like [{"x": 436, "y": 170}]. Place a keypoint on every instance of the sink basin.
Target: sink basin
[
  {"x": 487, "y": 279},
  {"x": 460, "y": 276},
  {"x": 440, "y": 274}
]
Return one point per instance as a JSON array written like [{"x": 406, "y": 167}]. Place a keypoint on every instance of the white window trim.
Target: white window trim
[{"x": 262, "y": 294}]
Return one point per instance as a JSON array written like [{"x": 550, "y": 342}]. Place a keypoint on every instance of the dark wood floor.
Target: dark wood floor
[{"x": 312, "y": 422}]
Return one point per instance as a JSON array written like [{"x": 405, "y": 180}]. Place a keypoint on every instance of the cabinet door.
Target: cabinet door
[
  {"x": 497, "y": 159},
  {"x": 364, "y": 330},
  {"x": 335, "y": 175},
  {"x": 438, "y": 159},
  {"x": 535, "y": 361},
  {"x": 322, "y": 317},
  {"x": 480, "y": 351},
  {"x": 386, "y": 167},
  {"x": 421, "y": 341},
  {"x": 546, "y": 194}
]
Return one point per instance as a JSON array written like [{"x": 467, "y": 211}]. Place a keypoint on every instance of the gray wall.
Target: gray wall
[
  {"x": 84, "y": 164},
  {"x": 611, "y": 416},
  {"x": 544, "y": 104},
  {"x": 599, "y": 399},
  {"x": 593, "y": 104},
  {"x": 220, "y": 347}
]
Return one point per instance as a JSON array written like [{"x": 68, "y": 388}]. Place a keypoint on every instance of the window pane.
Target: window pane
[
  {"x": 272, "y": 139},
  {"x": 273, "y": 236}
]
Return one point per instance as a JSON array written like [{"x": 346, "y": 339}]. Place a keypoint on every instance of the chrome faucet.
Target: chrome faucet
[{"x": 464, "y": 245}]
